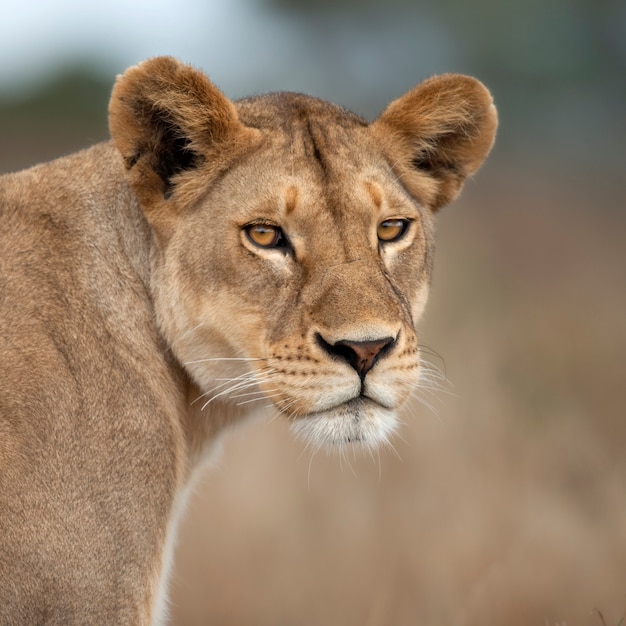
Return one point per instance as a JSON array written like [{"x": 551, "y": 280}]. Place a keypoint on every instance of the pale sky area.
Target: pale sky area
[{"x": 37, "y": 35}]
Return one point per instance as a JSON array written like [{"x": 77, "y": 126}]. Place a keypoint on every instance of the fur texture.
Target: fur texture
[{"x": 215, "y": 257}]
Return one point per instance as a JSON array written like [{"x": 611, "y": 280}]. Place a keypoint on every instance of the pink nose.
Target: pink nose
[{"x": 361, "y": 355}]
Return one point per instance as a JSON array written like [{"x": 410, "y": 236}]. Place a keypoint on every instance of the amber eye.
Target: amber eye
[
  {"x": 391, "y": 230},
  {"x": 265, "y": 235}
]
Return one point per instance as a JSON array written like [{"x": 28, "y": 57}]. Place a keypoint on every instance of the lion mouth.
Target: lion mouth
[
  {"x": 361, "y": 420},
  {"x": 366, "y": 397}
]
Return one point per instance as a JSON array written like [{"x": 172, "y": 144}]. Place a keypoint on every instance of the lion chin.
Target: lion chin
[{"x": 359, "y": 421}]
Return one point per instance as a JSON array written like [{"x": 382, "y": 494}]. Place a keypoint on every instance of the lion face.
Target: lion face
[
  {"x": 293, "y": 241},
  {"x": 310, "y": 263}
]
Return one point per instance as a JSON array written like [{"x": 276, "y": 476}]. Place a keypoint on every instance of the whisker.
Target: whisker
[
  {"x": 191, "y": 330},
  {"x": 247, "y": 383},
  {"x": 251, "y": 377},
  {"x": 314, "y": 453},
  {"x": 252, "y": 393},
  {"x": 283, "y": 408},
  {"x": 434, "y": 377},
  {"x": 219, "y": 358},
  {"x": 263, "y": 397},
  {"x": 389, "y": 444},
  {"x": 414, "y": 395},
  {"x": 343, "y": 454},
  {"x": 187, "y": 333}
]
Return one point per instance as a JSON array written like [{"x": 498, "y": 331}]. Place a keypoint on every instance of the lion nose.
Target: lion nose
[{"x": 360, "y": 355}]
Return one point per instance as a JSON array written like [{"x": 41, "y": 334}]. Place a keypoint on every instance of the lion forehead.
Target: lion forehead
[{"x": 285, "y": 110}]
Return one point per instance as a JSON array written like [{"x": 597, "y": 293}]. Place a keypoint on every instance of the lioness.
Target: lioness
[{"x": 211, "y": 259}]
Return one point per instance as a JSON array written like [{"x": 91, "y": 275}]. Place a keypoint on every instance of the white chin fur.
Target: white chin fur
[{"x": 358, "y": 422}]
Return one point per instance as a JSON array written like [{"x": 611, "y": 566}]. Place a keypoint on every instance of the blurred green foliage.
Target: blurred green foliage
[
  {"x": 557, "y": 38},
  {"x": 75, "y": 94},
  {"x": 67, "y": 112},
  {"x": 542, "y": 39}
]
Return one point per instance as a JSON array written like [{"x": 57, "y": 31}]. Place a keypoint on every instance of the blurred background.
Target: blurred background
[{"x": 504, "y": 501}]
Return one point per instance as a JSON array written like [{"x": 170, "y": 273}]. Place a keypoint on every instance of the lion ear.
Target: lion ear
[
  {"x": 166, "y": 119},
  {"x": 438, "y": 134}
]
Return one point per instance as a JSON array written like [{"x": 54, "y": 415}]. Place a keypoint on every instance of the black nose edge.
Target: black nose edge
[{"x": 360, "y": 355}]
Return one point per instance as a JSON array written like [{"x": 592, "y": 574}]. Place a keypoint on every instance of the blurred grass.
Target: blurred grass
[{"x": 509, "y": 505}]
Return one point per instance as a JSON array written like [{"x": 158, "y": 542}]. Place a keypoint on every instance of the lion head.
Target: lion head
[{"x": 293, "y": 240}]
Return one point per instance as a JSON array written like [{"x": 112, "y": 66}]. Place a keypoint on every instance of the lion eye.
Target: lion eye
[
  {"x": 265, "y": 235},
  {"x": 392, "y": 230}
]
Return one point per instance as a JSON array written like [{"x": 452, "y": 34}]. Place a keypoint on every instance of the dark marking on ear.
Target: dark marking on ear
[
  {"x": 170, "y": 152},
  {"x": 430, "y": 164},
  {"x": 441, "y": 154},
  {"x": 131, "y": 161},
  {"x": 420, "y": 162},
  {"x": 173, "y": 157}
]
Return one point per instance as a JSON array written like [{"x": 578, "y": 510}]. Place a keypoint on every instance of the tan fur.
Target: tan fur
[{"x": 138, "y": 320}]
